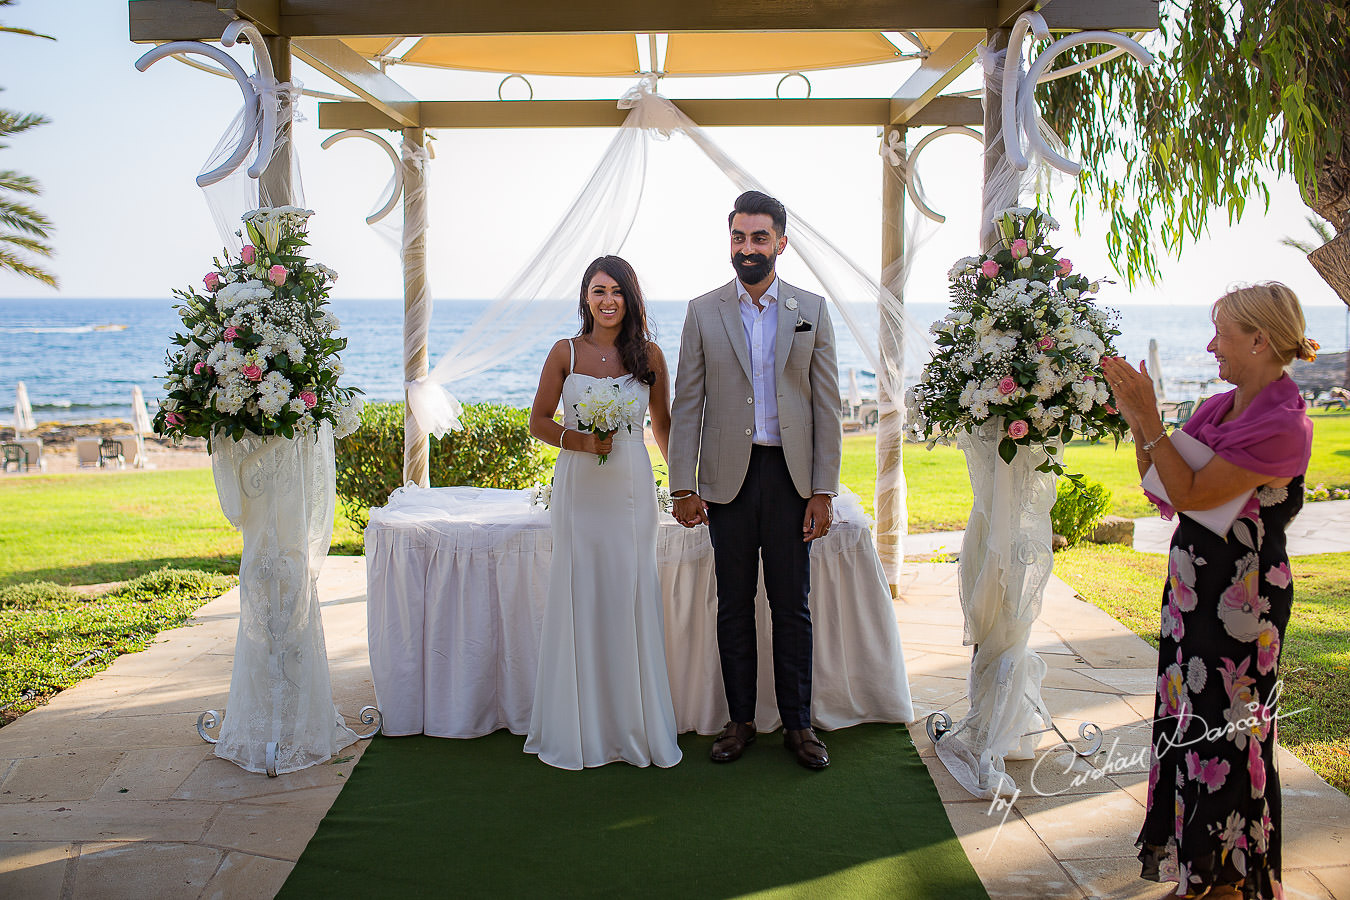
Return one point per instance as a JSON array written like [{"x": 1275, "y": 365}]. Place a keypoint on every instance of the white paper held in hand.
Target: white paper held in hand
[{"x": 1219, "y": 519}]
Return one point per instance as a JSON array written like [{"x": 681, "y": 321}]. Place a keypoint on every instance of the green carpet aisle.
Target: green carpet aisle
[{"x": 427, "y": 817}]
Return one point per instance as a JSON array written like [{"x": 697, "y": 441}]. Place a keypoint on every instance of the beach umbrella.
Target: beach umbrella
[
  {"x": 23, "y": 412},
  {"x": 140, "y": 417},
  {"x": 1155, "y": 369},
  {"x": 140, "y": 423},
  {"x": 854, "y": 395}
]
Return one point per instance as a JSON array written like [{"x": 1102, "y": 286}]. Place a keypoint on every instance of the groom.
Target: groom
[{"x": 756, "y": 409}]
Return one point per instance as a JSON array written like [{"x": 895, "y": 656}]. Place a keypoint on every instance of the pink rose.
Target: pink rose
[
  {"x": 277, "y": 274},
  {"x": 212, "y": 281},
  {"x": 231, "y": 333},
  {"x": 1018, "y": 430},
  {"x": 1046, "y": 342},
  {"x": 173, "y": 418},
  {"x": 1065, "y": 266},
  {"x": 1006, "y": 385},
  {"x": 253, "y": 373},
  {"x": 248, "y": 253},
  {"x": 1019, "y": 249},
  {"x": 989, "y": 268},
  {"x": 308, "y": 398},
  {"x": 202, "y": 368}
]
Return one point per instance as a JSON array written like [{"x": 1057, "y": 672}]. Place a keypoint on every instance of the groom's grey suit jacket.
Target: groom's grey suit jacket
[{"x": 713, "y": 412}]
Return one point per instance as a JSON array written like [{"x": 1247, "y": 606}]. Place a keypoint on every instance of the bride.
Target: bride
[{"x": 602, "y": 694}]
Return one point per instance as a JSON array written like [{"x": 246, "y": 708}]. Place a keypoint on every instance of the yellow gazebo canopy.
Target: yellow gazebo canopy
[{"x": 686, "y": 53}]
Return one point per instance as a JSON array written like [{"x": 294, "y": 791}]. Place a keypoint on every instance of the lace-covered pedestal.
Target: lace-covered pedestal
[
  {"x": 1005, "y": 564},
  {"x": 280, "y": 494}
]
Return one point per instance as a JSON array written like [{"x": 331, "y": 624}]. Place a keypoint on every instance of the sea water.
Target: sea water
[{"x": 80, "y": 358}]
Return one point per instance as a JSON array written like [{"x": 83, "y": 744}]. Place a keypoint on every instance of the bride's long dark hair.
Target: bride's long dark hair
[{"x": 633, "y": 331}]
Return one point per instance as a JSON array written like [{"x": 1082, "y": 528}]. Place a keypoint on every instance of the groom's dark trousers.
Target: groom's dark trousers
[{"x": 764, "y": 519}]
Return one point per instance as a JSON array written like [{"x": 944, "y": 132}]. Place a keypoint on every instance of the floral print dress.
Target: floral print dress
[{"x": 1213, "y": 793}]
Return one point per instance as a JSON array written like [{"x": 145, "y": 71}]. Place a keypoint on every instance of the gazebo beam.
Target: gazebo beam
[
  {"x": 939, "y": 69},
  {"x": 606, "y": 114},
  {"x": 347, "y": 67},
  {"x": 168, "y": 20}
]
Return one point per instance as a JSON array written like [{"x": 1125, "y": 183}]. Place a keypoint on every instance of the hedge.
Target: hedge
[{"x": 494, "y": 449}]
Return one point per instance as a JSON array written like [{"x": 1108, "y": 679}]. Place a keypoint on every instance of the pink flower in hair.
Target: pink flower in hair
[
  {"x": 1018, "y": 430},
  {"x": 248, "y": 253},
  {"x": 277, "y": 274},
  {"x": 212, "y": 281},
  {"x": 1019, "y": 248},
  {"x": 989, "y": 268},
  {"x": 1065, "y": 266},
  {"x": 1006, "y": 385}
]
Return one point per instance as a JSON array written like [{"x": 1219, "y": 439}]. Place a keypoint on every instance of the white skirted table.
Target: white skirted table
[{"x": 457, "y": 581}]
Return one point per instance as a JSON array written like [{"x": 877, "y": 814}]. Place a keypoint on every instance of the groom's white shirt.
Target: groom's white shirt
[{"x": 761, "y": 333}]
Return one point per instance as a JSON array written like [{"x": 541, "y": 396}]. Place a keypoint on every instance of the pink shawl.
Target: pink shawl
[{"x": 1272, "y": 436}]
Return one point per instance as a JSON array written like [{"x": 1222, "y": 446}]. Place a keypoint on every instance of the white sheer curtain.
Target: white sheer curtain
[{"x": 542, "y": 296}]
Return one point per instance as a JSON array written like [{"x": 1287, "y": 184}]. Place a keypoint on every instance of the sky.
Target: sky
[{"x": 118, "y": 159}]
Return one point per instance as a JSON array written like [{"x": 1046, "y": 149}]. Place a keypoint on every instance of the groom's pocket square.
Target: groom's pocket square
[{"x": 802, "y": 325}]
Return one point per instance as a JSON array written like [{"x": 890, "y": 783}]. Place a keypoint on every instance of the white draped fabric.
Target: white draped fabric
[
  {"x": 1005, "y": 564},
  {"x": 456, "y": 589},
  {"x": 542, "y": 297},
  {"x": 279, "y": 494}
]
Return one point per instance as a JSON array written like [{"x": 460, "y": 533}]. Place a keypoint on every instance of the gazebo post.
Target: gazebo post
[
  {"x": 416, "y": 315},
  {"x": 891, "y": 508},
  {"x": 275, "y": 187}
]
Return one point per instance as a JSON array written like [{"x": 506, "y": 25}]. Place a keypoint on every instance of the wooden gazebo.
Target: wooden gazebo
[{"x": 351, "y": 40}]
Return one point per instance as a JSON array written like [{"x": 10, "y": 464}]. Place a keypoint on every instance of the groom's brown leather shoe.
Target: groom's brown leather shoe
[
  {"x": 733, "y": 740},
  {"x": 810, "y": 750}
]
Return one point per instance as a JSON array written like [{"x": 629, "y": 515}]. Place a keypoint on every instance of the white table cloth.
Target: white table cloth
[{"x": 457, "y": 580}]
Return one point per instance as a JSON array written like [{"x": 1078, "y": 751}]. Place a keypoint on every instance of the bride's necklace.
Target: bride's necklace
[{"x": 603, "y": 353}]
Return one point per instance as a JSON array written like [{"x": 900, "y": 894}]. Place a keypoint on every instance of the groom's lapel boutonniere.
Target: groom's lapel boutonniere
[{"x": 790, "y": 303}]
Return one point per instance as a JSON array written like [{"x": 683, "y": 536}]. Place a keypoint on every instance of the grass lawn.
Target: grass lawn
[
  {"x": 1315, "y": 658},
  {"x": 939, "y": 490}
]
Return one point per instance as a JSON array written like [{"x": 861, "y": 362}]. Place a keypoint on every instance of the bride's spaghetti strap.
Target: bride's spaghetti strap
[{"x": 571, "y": 355}]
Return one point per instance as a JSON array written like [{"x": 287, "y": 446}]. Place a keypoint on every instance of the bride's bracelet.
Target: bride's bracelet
[{"x": 562, "y": 439}]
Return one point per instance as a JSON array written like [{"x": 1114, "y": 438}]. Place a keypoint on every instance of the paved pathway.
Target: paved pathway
[
  {"x": 107, "y": 792},
  {"x": 1322, "y": 527}
]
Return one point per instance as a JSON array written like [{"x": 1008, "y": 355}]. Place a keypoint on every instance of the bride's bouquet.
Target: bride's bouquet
[
  {"x": 260, "y": 353},
  {"x": 604, "y": 408},
  {"x": 1022, "y": 346}
]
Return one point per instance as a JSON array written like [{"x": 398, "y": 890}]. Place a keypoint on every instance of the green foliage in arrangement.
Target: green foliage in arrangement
[
  {"x": 1240, "y": 92},
  {"x": 1080, "y": 504},
  {"x": 52, "y": 637},
  {"x": 494, "y": 449}
]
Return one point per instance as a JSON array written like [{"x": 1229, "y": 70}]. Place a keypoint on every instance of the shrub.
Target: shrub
[
  {"x": 1080, "y": 504},
  {"x": 36, "y": 595},
  {"x": 178, "y": 584},
  {"x": 494, "y": 449}
]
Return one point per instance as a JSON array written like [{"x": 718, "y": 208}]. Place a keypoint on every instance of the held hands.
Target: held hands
[
  {"x": 690, "y": 510},
  {"x": 816, "y": 523}
]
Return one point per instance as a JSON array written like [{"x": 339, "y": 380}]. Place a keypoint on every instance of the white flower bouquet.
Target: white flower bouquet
[
  {"x": 260, "y": 353},
  {"x": 1023, "y": 344},
  {"x": 604, "y": 408}
]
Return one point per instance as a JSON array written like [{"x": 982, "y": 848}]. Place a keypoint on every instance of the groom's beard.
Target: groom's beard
[{"x": 752, "y": 268}]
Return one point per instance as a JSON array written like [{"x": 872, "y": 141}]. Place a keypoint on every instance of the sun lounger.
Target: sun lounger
[
  {"x": 34, "y": 448},
  {"x": 86, "y": 451},
  {"x": 131, "y": 449}
]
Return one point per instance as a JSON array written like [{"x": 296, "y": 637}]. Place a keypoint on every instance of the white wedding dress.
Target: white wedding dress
[{"x": 602, "y": 694}]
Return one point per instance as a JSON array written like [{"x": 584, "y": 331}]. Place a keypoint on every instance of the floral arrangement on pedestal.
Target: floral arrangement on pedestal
[
  {"x": 259, "y": 355},
  {"x": 1023, "y": 344}
]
